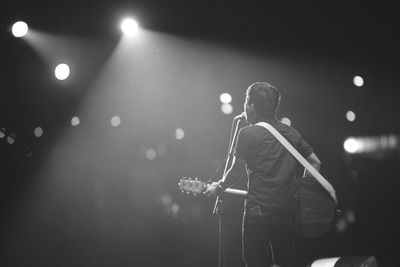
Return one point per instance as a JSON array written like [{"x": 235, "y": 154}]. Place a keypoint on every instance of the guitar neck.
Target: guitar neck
[{"x": 236, "y": 192}]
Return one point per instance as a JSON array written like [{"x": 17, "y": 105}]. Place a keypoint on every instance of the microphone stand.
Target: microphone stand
[{"x": 218, "y": 206}]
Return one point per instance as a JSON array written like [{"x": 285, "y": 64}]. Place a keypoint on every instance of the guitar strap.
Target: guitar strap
[{"x": 325, "y": 184}]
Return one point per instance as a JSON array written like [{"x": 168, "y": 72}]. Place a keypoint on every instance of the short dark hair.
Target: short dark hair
[{"x": 265, "y": 98}]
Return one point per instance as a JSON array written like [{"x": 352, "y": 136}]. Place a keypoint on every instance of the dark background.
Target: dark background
[{"x": 87, "y": 196}]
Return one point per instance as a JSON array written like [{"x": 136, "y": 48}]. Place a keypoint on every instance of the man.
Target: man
[{"x": 268, "y": 221}]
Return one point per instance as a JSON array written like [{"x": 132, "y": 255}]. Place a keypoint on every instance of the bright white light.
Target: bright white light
[
  {"x": 328, "y": 262},
  {"x": 358, "y": 81},
  {"x": 62, "y": 71},
  {"x": 227, "y": 108},
  {"x": 179, "y": 134},
  {"x": 38, "y": 132},
  {"x": 225, "y": 98},
  {"x": 286, "y": 121},
  {"x": 115, "y": 121},
  {"x": 129, "y": 27},
  {"x": 350, "y": 115},
  {"x": 351, "y": 145},
  {"x": 151, "y": 154},
  {"x": 19, "y": 29},
  {"x": 75, "y": 121}
]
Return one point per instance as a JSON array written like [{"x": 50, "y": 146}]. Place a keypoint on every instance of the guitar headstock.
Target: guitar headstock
[{"x": 193, "y": 186}]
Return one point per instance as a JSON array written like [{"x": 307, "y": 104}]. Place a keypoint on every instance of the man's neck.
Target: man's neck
[{"x": 265, "y": 118}]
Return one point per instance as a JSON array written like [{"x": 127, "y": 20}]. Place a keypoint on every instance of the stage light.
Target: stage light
[
  {"x": 2, "y": 132},
  {"x": 179, "y": 134},
  {"x": 226, "y": 108},
  {"x": 62, "y": 71},
  {"x": 350, "y": 116},
  {"x": 286, "y": 121},
  {"x": 19, "y": 29},
  {"x": 371, "y": 144},
  {"x": 11, "y": 138},
  {"x": 358, "y": 81},
  {"x": 175, "y": 209},
  {"x": 346, "y": 262},
  {"x": 75, "y": 121},
  {"x": 129, "y": 27},
  {"x": 225, "y": 98},
  {"x": 38, "y": 132},
  {"x": 115, "y": 121},
  {"x": 352, "y": 145},
  {"x": 151, "y": 154},
  {"x": 329, "y": 262}
]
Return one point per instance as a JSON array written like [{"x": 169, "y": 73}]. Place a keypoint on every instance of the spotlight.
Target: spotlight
[
  {"x": 350, "y": 116},
  {"x": 19, "y": 29},
  {"x": 179, "y": 134},
  {"x": 225, "y": 98},
  {"x": 115, "y": 121},
  {"x": 75, "y": 121},
  {"x": 151, "y": 154},
  {"x": 38, "y": 132},
  {"x": 358, "y": 81},
  {"x": 11, "y": 138},
  {"x": 62, "y": 71},
  {"x": 371, "y": 144},
  {"x": 352, "y": 145},
  {"x": 369, "y": 261},
  {"x": 227, "y": 108},
  {"x": 2, "y": 132},
  {"x": 129, "y": 27}
]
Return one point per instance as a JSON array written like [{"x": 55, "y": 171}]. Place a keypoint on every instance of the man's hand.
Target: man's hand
[{"x": 213, "y": 189}]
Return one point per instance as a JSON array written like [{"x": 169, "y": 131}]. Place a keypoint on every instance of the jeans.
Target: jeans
[{"x": 267, "y": 238}]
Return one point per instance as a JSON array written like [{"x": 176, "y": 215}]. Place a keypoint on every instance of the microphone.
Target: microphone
[{"x": 240, "y": 116}]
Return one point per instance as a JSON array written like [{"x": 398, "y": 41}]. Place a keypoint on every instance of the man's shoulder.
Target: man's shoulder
[{"x": 283, "y": 128}]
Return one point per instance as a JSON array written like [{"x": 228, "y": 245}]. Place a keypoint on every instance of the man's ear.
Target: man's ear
[{"x": 250, "y": 107}]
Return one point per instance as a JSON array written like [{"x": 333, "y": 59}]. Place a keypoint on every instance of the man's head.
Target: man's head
[{"x": 262, "y": 100}]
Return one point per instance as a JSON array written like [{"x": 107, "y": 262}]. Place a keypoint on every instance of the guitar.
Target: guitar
[
  {"x": 315, "y": 213},
  {"x": 196, "y": 187}
]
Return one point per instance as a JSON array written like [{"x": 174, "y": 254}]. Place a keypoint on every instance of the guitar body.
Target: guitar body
[{"x": 316, "y": 212}]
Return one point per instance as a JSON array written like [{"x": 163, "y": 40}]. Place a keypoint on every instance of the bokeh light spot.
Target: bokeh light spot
[
  {"x": 225, "y": 98},
  {"x": 350, "y": 116},
  {"x": 19, "y": 29},
  {"x": 11, "y": 138},
  {"x": 151, "y": 154},
  {"x": 75, "y": 121},
  {"x": 179, "y": 134},
  {"x": 351, "y": 145},
  {"x": 129, "y": 27},
  {"x": 62, "y": 71},
  {"x": 38, "y": 132},
  {"x": 226, "y": 108},
  {"x": 358, "y": 81},
  {"x": 115, "y": 121}
]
